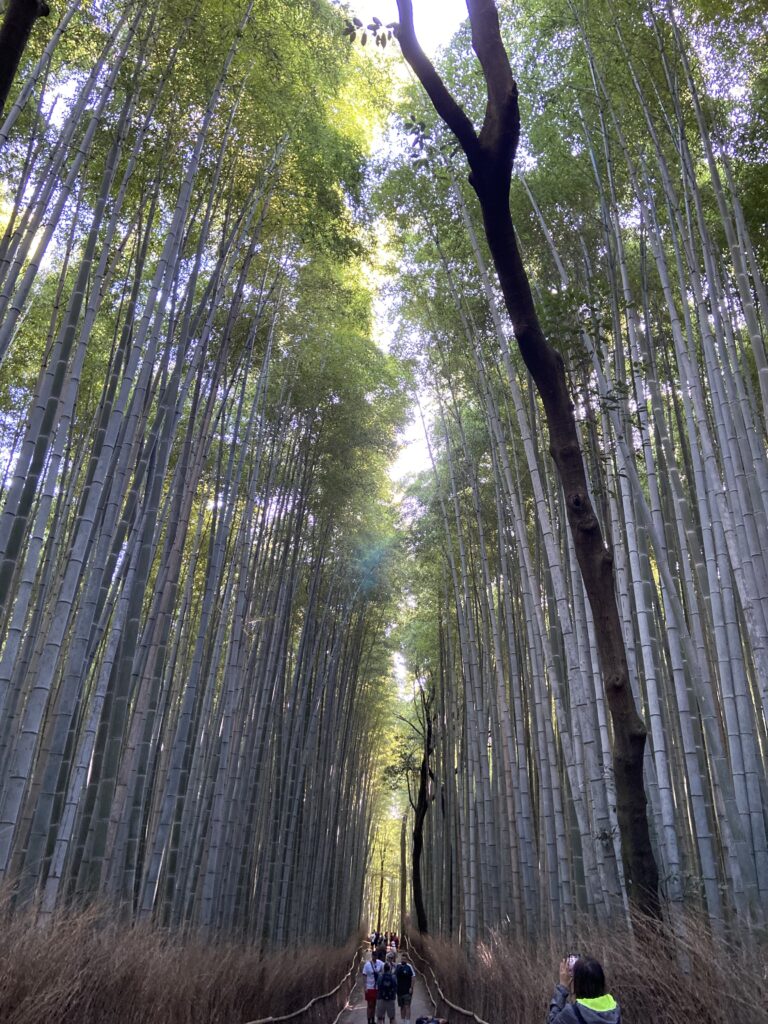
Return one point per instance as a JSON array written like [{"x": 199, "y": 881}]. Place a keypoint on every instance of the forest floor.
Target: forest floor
[{"x": 356, "y": 1013}]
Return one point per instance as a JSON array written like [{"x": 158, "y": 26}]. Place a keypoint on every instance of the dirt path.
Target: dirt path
[{"x": 356, "y": 1014}]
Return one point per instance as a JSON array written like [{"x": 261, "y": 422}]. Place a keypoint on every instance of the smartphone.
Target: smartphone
[{"x": 572, "y": 958}]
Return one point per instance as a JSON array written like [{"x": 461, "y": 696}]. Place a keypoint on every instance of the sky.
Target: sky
[{"x": 435, "y": 22}]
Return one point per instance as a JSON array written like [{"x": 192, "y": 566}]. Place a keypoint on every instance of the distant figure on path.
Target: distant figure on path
[
  {"x": 387, "y": 993},
  {"x": 592, "y": 1002},
  {"x": 404, "y": 976},
  {"x": 372, "y": 970}
]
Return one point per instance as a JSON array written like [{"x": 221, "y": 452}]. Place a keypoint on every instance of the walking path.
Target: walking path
[{"x": 356, "y": 1014}]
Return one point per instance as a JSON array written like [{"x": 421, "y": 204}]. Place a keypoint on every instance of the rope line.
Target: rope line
[
  {"x": 443, "y": 997},
  {"x": 317, "y": 999}
]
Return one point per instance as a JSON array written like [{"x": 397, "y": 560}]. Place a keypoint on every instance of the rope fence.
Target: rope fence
[
  {"x": 443, "y": 998},
  {"x": 317, "y": 999}
]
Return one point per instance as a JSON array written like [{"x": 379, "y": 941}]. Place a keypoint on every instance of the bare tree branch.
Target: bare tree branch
[
  {"x": 501, "y": 128},
  {"x": 16, "y": 28},
  {"x": 407, "y": 722},
  {"x": 444, "y": 103}
]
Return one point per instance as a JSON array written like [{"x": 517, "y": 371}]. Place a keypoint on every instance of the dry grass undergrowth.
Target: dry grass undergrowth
[
  {"x": 656, "y": 981},
  {"x": 85, "y": 971}
]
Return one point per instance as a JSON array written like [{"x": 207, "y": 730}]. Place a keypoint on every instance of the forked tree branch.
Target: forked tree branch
[
  {"x": 490, "y": 156},
  {"x": 444, "y": 103},
  {"x": 501, "y": 128},
  {"x": 496, "y": 145}
]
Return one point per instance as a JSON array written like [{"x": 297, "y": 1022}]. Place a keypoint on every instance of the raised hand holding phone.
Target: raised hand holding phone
[{"x": 566, "y": 975}]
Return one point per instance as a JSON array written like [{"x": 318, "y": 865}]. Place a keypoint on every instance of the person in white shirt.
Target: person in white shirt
[{"x": 371, "y": 970}]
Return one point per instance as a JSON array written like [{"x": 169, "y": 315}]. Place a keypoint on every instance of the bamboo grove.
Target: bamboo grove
[
  {"x": 642, "y": 132},
  {"x": 203, "y": 569},
  {"x": 197, "y": 540}
]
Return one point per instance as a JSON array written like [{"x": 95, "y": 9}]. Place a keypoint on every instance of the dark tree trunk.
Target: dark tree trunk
[
  {"x": 403, "y": 873},
  {"x": 20, "y": 17},
  {"x": 422, "y": 806},
  {"x": 490, "y": 155},
  {"x": 381, "y": 895}
]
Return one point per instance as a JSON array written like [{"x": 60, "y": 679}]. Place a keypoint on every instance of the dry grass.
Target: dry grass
[
  {"x": 655, "y": 980},
  {"x": 83, "y": 971}
]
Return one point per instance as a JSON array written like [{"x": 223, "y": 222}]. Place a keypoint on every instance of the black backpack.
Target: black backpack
[{"x": 387, "y": 987}]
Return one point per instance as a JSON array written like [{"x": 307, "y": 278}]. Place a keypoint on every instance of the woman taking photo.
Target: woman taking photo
[{"x": 592, "y": 1003}]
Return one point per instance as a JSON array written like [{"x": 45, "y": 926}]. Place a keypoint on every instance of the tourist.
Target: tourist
[
  {"x": 386, "y": 995},
  {"x": 404, "y": 976},
  {"x": 592, "y": 1003},
  {"x": 372, "y": 970}
]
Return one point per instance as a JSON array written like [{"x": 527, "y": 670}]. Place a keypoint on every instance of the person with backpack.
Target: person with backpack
[
  {"x": 404, "y": 976},
  {"x": 592, "y": 1003},
  {"x": 386, "y": 995},
  {"x": 371, "y": 972}
]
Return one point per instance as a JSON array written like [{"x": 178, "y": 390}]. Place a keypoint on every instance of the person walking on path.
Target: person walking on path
[
  {"x": 386, "y": 995},
  {"x": 592, "y": 1004},
  {"x": 372, "y": 970},
  {"x": 405, "y": 977},
  {"x": 420, "y": 1005}
]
